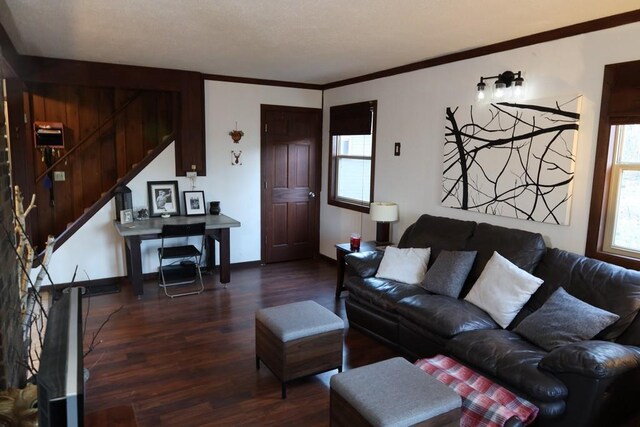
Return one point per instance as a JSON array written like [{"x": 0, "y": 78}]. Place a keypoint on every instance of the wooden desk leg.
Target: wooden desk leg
[
  {"x": 225, "y": 255},
  {"x": 211, "y": 253},
  {"x": 340, "y": 274},
  {"x": 134, "y": 264}
]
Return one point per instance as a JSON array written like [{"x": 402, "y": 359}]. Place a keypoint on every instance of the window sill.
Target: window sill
[
  {"x": 350, "y": 206},
  {"x": 621, "y": 260}
]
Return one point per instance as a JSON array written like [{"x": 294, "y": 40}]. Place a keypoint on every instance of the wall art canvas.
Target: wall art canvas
[{"x": 512, "y": 159}]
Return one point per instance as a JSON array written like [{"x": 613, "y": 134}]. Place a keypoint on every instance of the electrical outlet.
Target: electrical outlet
[
  {"x": 58, "y": 176},
  {"x": 192, "y": 174}
]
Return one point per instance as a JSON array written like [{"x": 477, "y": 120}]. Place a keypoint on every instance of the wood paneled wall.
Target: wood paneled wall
[
  {"x": 109, "y": 154},
  {"x": 187, "y": 85}
]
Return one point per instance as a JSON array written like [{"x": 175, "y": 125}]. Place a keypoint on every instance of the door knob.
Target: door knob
[{"x": 312, "y": 195}]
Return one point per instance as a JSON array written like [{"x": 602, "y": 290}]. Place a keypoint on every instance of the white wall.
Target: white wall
[
  {"x": 98, "y": 250},
  {"x": 411, "y": 110}
]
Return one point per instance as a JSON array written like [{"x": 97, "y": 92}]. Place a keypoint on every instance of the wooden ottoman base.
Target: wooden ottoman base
[
  {"x": 343, "y": 414},
  {"x": 300, "y": 357}
]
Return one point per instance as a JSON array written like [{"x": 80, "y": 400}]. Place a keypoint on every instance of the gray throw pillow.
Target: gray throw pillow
[
  {"x": 449, "y": 272},
  {"x": 564, "y": 319}
]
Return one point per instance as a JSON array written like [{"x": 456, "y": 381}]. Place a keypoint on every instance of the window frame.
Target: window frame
[
  {"x": 332, "y": 196},
  {"x": 617, "y": 169},
  {"x": 619, "y": 88}
]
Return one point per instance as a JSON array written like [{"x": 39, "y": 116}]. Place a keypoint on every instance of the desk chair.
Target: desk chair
[{"x": 184, "y": 267}]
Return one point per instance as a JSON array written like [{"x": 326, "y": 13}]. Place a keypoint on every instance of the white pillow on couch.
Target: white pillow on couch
[
  {"x": 502, "y": 289},
  {"x": 404, "y": 265}
]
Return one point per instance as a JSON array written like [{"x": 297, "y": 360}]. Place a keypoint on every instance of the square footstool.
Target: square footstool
[
  {"x": 392, "y": 393},
  {"x": 298, "y": 339}
]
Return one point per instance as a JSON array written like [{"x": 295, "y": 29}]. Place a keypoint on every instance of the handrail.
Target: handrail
[
  {"x": 108, "y": 195},
  {"x": 113, "y": 115}
]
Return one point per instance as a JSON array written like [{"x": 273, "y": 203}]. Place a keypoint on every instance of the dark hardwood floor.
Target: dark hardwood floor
[{"x": 190, "y": 361}]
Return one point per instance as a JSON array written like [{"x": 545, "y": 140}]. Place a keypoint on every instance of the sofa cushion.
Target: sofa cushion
[
  {"x": 406, "y": 265},
  {"x": 607, "y": 286},
  {"x": 562, "y": 320},
  {"x": 522, "y": 248},
  {"x": 449, "y": 272},
  {"x": 381, "y": 293},
  {"x": 444, "y": 316},
  {"x": 502, "y": 289},
  {"x": 509, "y": 358},
  {"x": 437, "y": 233}
]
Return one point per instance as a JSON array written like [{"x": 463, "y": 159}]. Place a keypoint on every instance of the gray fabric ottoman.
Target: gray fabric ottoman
[
  {"x": 298, "y": 339},
  {"x": 392, "y": 393}
]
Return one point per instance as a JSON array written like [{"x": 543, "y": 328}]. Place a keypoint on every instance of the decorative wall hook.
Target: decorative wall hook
[
  {"x": 236, "y": 158},
  {"x": 236, "y": 134}
]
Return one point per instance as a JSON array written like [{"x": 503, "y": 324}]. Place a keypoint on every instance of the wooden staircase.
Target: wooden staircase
[{"x": 110, "y": 135}]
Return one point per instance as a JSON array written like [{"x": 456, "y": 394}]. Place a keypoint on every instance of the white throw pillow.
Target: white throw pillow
[
  {"x": 404, "y": 265},
  {"x": 502, "y": 289}
]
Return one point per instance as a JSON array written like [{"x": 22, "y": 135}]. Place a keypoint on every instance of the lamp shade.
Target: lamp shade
[{"x": 383, "y": 211}]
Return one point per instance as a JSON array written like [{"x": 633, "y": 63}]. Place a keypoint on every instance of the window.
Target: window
[
  {"x": 622, "y": 226},
  {"x": 613, "y": 233},
  {"x": 351, "y": 165}
]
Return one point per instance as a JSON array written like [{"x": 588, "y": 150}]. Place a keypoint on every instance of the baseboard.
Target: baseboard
[{"x": 93, "y": 287}]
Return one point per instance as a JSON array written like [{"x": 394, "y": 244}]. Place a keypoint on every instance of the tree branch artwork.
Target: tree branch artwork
[{"x": 512, "y": 159}]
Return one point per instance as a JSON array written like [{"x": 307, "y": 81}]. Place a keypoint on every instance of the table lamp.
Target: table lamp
[{"x": 383, "y": 213}]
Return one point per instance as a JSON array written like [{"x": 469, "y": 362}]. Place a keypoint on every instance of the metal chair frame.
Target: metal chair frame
[{"x": 187, "y": 253}]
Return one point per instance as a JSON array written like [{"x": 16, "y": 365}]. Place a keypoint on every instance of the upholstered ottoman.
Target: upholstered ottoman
[
  {"x": 392, "y": 393},
  {"x": 298, "y": 339}
]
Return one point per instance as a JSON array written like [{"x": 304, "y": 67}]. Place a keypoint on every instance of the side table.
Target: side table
[{"x": 343, "y": 249}]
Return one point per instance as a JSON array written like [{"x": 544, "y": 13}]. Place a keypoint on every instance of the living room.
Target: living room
[{"x": 410, "y": 110}]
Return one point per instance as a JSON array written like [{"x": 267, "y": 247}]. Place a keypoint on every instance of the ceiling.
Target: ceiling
[{"x": 305, "y": 41}]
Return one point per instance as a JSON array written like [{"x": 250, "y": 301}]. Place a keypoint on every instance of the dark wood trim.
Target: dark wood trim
[
  {"x": 86, "y": 283},
  {"x": 101, "y": 74},
  {"x": 236, "y": 266},
  {"x": 545, "y": 36},
  {"x": 602, "y": 169},
  {"x": 262, "y": 82}
]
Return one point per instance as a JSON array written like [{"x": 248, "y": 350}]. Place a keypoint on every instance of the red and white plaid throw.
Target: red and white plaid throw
[{"x": 484, "y": 403}]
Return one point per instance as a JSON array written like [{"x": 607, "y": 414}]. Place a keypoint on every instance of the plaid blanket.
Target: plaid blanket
[{"x": 484, "y": 403}]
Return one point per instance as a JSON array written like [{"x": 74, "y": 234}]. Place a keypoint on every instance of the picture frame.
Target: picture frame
[
  {"x": 126, "y": 216},
  {"x": 194, "y": 203},
  {"x": 164, "y": 198}
]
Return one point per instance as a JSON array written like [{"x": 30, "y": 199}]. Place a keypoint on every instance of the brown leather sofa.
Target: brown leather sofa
[{"x": 595, "y": 382}]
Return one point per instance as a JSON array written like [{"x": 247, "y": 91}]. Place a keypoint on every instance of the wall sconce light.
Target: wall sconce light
[
  {"x": 507, "y": 85},
  {"x": 383, "y": 213}
]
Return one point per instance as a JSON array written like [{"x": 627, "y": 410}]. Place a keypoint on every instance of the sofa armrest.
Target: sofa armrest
[
  {"x": 363, "y": 264},
  {"x": 596, "y": 359}
]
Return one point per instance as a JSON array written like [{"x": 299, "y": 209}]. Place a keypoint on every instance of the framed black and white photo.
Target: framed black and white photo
[
  {"x": 163, "y": 198},
  {"x": 194, "y": 203},
  {"x": 126, "y": 216}
]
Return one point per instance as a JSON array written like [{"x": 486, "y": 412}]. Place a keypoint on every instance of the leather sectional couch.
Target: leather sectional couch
[{"x": 594, "y": 382}]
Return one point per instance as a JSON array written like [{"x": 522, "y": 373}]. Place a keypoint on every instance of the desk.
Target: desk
[
  {"x": 217, "y": 228},
  {"x": 343, "y": 249}
]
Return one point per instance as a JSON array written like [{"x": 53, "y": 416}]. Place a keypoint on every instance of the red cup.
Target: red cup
[{"x": 355, "y": 241}]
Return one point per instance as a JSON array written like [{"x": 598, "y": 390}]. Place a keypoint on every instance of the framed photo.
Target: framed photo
[
  {"x": 126, "y": 216},
  {"x": 194, "y": 203},
  {"x": 163, "y": 198}
]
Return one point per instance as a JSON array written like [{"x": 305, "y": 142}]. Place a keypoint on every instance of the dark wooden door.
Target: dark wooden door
[{"x": 291, "y": 142}]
